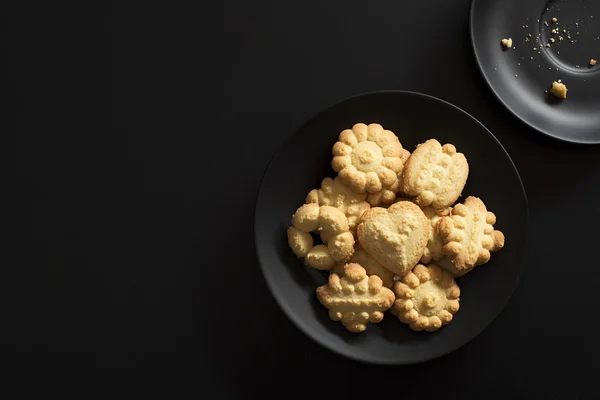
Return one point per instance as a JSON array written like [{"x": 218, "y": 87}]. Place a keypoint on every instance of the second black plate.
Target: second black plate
[{"x": 521, "y": 76}]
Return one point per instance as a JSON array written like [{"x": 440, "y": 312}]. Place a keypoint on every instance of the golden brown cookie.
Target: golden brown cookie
[
  {"x": 468, "y": 235},
  {"x": 426, "y": 298},
  {"x": 355, "y": 299},
  {"x": 367, "y": 158},
  {"x": 371, "y": 266},
  {"x": 436, "y": 175},
  {"x": 396, "y": 237},
  {"x": 331, "y": 222},
  {"x": 336, "y": 194},
  {"x": 388, "y": 195}
]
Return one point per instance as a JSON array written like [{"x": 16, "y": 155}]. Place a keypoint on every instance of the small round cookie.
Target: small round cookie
[
  {"x": 371, "y": 266},
  {"x": 355, "y": 299},
  {"x": 396, "y": 237},
  {"x": 336, "y": 194},
  {"x": 426, "y": 298},
  {"x": 436, "y": 175},
  {"x": 367, "y": 158},
  {"x": 388, "y": 195},
  {"x": 468, "y": 235},
  {"x": 330, "y": 222}
]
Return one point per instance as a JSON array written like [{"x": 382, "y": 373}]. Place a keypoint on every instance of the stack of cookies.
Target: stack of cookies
[{"x": 392, "y": 237}]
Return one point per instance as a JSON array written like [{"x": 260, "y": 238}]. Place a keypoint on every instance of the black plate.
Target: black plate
[
  {"x": 304, "y": 160},
  {"x": 519, "y": 77}
]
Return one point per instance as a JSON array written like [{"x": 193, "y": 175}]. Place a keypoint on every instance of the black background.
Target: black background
[{"x": 140, "y": 135}]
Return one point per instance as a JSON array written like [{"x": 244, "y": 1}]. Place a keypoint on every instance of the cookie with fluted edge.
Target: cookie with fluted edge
[
  {"x": 355, "y": 299},
  {"x": 314, "y": 218},
  {"x": 371, "y": 266},
  {"x": 336, "y": 194},
  {"x": 389, "y": 195},
  {"x": 469, "y": 236},
  {"x": 396, "y": 237},
  {"x": 435, "y": 174},
  {"x": 426, "y": 298},
  {"x": 367, "y": 158}
]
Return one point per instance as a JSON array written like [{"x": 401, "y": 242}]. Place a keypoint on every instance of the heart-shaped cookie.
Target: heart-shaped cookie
[{"x": 396, "y": 237}]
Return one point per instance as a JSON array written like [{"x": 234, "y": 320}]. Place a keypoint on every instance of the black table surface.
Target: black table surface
[{"x": 141, "y": 134}]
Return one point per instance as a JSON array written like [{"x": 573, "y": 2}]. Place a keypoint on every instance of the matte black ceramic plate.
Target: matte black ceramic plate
[
  {"x": 304, "y": 160},
  {"x": 521, "y": 77}
]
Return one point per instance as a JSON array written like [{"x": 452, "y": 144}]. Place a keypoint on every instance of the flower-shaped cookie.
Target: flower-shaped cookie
[
  {"x": 335, "y": 194},
  {"x": 426, "y": 298},
  {"x": 436, "y": 175},
  {"x": 468, "y": 235},
  {"x": 388, "y": 195},
  {"x": 355, "y": 299},
  {"x": 367, "y": 158},
  {"x": 330, "y": 220},
  {"x": 396, "y": 237},
  {"x": 371, "y": 266}
]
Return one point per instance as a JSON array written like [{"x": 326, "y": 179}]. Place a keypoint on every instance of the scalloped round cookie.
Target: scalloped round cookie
[
  {"x": 367, "y": 158},
  {"x": 426, "y": 298}
]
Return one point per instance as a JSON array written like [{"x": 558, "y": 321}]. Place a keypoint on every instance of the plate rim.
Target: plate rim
[
  {"x": 297, "y": 321},
  {"x": 506, "y": 106}
]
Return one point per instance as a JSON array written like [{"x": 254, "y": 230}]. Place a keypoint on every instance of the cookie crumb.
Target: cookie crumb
[
  {"x": 559, "y": 90},
  {"x": 554, "y": 31},
  {"x": 535, "y": 49},
  {"x": 592, "y": 62},
  {"x": 507, "y": 42},
  {"x": 547, "y": 44},
  {"x": 555, "y": 20},
  {"x": 552, "y": 40}
]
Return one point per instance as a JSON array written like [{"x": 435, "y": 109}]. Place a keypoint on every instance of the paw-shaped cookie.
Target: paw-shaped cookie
[
  {"x": 426, "y": 298},
  {"x": 355, "y": 299},
  {"x": 371, "y": 266},
  {"x": 436, "y": 175},
  {"x": 388, "y": 195},
  {"x": 468, "y": 235},
  {"x": 313, "y": 218},
  {"x": 396, "y": 237},
  {"x": 433, "y": 251},
  {"x": 367, "y": 158},
  {"x": 336, "y": 194}
]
